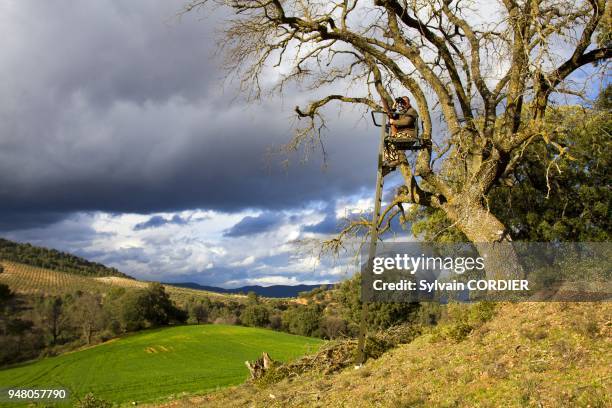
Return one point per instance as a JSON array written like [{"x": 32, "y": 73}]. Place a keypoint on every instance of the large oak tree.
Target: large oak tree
[{"x": 487, "y": 69}]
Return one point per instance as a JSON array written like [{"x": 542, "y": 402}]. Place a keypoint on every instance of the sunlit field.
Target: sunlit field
[{"x": 160, "y": 364}]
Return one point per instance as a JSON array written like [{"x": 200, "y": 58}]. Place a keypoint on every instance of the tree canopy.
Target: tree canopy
[
  {"x": 568, "y": 199},
  {"x": 482, "y": 75}
]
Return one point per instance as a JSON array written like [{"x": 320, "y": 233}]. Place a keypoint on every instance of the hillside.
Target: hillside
[
  {"x": 159, "y": 363},
  {"x": 26, "y": 279},
  {"x": 274, "y": 291},
  {"x": 54, "y": 260},
  {"x": 530, "y": 354}
]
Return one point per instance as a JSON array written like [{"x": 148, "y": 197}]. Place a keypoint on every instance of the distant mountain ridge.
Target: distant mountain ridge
[
  {"x": 54, "y": 260},
  {"x": 274, "y": 291}
]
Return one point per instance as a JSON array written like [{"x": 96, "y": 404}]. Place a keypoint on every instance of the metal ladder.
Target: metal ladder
[
  {"x": 373, "y": 241},
  {"x": 400, "y": 144}
]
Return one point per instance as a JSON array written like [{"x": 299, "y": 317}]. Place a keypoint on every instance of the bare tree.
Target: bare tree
[
  {"x": 88, "y": 315},
  {"x": 490, "y": 73}
]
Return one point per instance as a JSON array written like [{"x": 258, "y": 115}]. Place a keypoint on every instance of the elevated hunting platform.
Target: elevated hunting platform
[{"x": 405, "y": 143}]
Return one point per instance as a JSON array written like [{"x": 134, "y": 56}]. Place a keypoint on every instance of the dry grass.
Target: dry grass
[{"x": 529, "y": 355}]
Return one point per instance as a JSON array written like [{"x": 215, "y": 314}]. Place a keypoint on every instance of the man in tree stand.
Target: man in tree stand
[{"x": 403, "y": 122}]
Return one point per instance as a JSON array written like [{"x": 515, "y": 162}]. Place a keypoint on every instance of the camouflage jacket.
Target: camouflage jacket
[{"x": 407, "y": 121}]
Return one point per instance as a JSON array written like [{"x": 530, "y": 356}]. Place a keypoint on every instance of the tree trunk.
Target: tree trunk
[
  {"x": 88, "y": 333},
  {"x": 259, "y": 367},
  {"x": 54, "y": 331},
  {"x": 489, "y": 236}
]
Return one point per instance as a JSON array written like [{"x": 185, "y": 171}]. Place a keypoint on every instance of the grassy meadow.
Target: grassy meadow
[
  {"x": 160, "y": 364},
  {"x": 528, "y": 355}
]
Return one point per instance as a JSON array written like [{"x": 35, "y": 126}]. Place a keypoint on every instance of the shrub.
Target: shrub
[
  {"x": 255, "y": 315},
  {"x": 461, "y": 320},
  {"x": 226, "y": 319},
  {"x": 276, "y": 322},
  {"x": 381, "y": 315},
  {"x": 457, "y": 331},
  {"x": 132, "y": 313},
  {"x": 333, "y": 327},
  {"x": 304, "y": 321},
  {"x": 90, "y": 401},
  {"x": 198, "y": 312},
  {"x": 481, "y": 312}
]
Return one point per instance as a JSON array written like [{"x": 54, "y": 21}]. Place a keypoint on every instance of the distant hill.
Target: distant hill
[
  {"x": 55, "y": 260},
  {"x": 275, "y": 291},
  {"x": 28, "y": 279}
]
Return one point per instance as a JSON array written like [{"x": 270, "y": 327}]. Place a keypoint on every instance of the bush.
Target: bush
[
  {"x": 90, "y": 401},
  {"x": 462, "y": 319},
  {"x": 132, "y": 313},
  {"x": 428, "y": 314},
  {"x": 333, "y": 327},
  {"x": 226, "y": 319},
  {"x": 481, "y": 313},
  {"x": 198, "y": 312},
  {"x": 376, "y": 346},
  {"x": 255, "y": 316},
  {"x": 276, "y": 322},
  {"x": 304, "y": 321},
  {"x": 457, "y": 331},
  {"x": 381, "y": 315}
]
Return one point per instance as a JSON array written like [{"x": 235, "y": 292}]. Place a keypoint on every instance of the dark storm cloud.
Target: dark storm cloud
[
  {"x": 254, "y": 225},
  {"x": 158, "y": 221},
  {"x": 17, "y": 219},
  {"x": 118, "y": 106}
]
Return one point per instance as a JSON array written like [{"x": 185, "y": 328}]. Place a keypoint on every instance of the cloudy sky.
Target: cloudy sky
[{"x": 120, "y": 141}]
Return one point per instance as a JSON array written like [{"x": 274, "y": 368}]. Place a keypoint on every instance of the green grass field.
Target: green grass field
[{"x": 159, "y": 364}]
